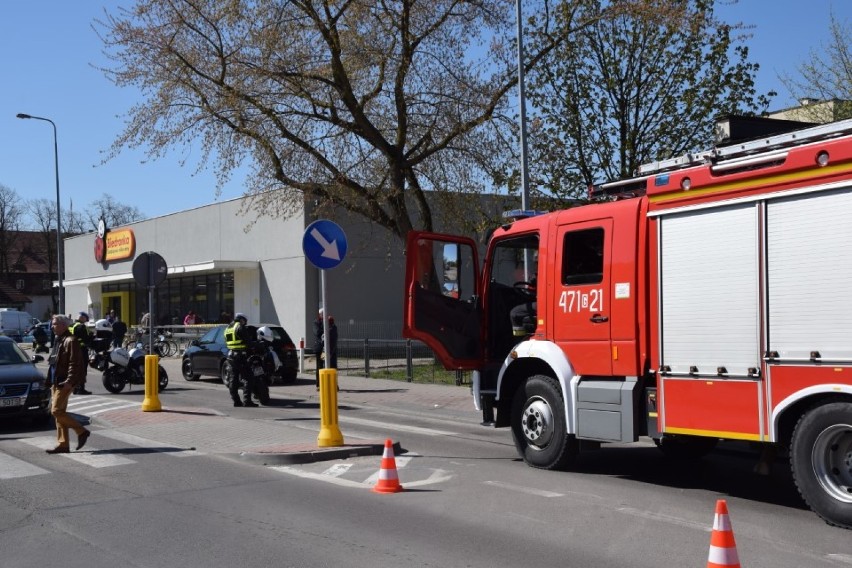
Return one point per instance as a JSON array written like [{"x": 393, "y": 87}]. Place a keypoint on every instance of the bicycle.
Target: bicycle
[{"x": 164, "y": 345}]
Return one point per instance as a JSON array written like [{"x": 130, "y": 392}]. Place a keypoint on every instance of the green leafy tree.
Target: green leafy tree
[{"x": 632, "y": 88}]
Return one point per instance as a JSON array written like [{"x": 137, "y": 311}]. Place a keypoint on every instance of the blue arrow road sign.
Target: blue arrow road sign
[{"x": 324, "y": 244}]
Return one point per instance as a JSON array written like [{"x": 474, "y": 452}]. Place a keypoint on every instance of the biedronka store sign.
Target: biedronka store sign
[{"x": 112, "y": 245}]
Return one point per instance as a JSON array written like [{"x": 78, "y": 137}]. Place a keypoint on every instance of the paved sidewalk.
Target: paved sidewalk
[{"x": 280, "y": 440}]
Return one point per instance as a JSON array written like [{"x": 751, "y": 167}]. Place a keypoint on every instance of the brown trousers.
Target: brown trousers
[{"x": 64, "y": 421}]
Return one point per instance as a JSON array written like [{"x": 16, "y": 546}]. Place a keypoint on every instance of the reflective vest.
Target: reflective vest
[
  {"x": 81, "y": 334},
  {"x": 232, "y": 341}
]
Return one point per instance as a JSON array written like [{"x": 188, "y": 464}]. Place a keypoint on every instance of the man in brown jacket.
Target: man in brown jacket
[{"x": 67, "y": 371}]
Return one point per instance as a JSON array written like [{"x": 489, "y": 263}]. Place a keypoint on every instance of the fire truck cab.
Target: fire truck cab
[{"x": 705, "y": 301}]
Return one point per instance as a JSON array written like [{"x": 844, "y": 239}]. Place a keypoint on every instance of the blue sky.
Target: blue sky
[{"x": 49, "y": 48}]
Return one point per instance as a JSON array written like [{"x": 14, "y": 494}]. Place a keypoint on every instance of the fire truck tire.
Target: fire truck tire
[
  {"x": 539, "y": 427},
  {"x": 686, "y": 447},
  {"x": 821, "y": 460}
]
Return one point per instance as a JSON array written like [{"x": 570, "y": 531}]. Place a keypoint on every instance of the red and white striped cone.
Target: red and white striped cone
[
  {"x": 388, "y": 479},
  {"x": 723, "y": 549}
]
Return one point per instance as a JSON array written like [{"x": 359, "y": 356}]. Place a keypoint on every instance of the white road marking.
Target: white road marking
[
  {"x": 401, "y": 427},
  {"x": 318, "y": 476},
  {"x": 522, "y": 489},
  {"x": 845, "y": 558},
  {"x": 88, "y": 409},
  {"x": 332, "y": 474},
  {"x": 337, "y": 469},
  {"x": 437, "y": 476},
  {"x": 161, "y": 447},
  {"x": 10, "y": 468},
  {"x": 88, "y": 457}
]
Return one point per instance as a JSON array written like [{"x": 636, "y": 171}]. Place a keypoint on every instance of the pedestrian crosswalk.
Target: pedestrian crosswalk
[
  {"x": 93, "y": 405},
  {"x": 94, "y": 455}
]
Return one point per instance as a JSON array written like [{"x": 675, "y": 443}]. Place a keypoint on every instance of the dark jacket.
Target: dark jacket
[
  {"x": 119, "y": 328},
  {"x": 319, "y": 341}
]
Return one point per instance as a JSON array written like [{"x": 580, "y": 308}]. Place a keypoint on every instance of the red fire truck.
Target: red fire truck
[{"x": 704, "y": 300}]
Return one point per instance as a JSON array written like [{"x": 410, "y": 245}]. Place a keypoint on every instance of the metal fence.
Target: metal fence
[
  {"x": 394, "y": 358},
  {"x": 358, "y": 353}
]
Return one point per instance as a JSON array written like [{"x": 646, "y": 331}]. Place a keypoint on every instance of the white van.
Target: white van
[{"x": 15, "y": 323}]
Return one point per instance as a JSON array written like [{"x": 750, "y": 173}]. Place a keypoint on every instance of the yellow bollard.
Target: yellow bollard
[
  {"x": 330, "y": 434},
  {"x": 152, "y": 384}
]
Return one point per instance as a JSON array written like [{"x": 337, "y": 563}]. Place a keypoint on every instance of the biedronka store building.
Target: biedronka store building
[{"x": 222, "y": 260}]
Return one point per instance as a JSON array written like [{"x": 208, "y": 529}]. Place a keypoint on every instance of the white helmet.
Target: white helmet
[
  {"x": 119, "y": 356},
  {"x": 265, "y": 334},
  {"x": 103, "y": 325}
]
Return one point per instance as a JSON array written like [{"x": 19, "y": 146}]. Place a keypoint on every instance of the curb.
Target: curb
[{"x": 306, "y": 453}]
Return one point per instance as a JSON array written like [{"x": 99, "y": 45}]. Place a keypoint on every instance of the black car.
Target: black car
[
  {"x": 206, "y": 355},
  {"x": 23, "y": 389}
]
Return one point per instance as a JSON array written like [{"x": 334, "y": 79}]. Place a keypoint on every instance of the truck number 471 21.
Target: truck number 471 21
[{"x": 577, "y": 300}]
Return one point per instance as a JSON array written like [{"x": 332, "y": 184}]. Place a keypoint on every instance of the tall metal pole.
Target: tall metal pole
[
  {"x": 525, "y": 181},
  {"x": 522, "y": 101},
  {"x": 59, "y": 254}
]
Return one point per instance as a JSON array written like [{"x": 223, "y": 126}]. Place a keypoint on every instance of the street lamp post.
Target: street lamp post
[
  {"x": 59, "y": 254},
  {"x": 525, "y": 179}
]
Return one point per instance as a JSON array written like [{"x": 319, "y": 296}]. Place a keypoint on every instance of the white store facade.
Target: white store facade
[{"x": 222, "y": 260}]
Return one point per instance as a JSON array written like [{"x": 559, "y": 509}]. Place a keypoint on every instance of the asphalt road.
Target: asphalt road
[{"x": 159, "y": 491}]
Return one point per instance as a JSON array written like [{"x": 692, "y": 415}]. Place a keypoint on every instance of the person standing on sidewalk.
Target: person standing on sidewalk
[
  {"x": 324, "y": 349},
  {"x": 67, "y": 370},
  {"x": 319, "y": 344},
  {"x": 237, "y": 338},
  {"x": 332, "y": 343},
  {"x": 81, "y": 332},
  {"x": 119, "y": 330}
]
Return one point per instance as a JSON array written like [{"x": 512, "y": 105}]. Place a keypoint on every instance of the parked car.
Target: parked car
[
  {"x": 23, "y": 388},
  {"x": 14, "y": 323},
  {"x": 206, "y": 355}
]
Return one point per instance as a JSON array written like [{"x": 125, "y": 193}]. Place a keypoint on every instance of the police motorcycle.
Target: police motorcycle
[
  {"x": 120, "y": 366},
  {"x": 261, "y": 361}
]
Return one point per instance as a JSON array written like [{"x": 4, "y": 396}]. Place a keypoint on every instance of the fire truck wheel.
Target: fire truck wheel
[
  {"x": 538, "y": 425},
  {"x": 686, "y": 447},
  {"x": 821, "y": 460}
]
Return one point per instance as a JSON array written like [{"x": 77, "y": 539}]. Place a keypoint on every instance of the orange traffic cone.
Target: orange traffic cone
[
  {"x": 723, "y": 549},
  {"x": 388, "y": 479}
]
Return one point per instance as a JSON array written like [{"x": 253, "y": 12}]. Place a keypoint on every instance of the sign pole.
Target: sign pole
[
  {"x": 324, "y": 244},
  {"x": 149, "y": 270},
  {"x": 325, "y": 313}
]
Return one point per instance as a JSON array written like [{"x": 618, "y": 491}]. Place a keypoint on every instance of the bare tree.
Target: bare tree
[
  {"x": 112, "y": 212},
  {"x": 11, "y": 212},
  {"x": 633, "y": 88},
  {"x": 826, "y": 76},
  {"x": 42, "y": 215},
  {"x": 359, "y": 104}
]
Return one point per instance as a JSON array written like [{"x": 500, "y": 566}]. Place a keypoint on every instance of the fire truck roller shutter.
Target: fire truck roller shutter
[
  {"x": 809, "y": 268},
  {"x": 710, "y": 279}
]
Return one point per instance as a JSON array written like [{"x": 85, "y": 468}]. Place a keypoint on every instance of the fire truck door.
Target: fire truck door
[
  {"x": 441, "y": 298},
  {"x": 581, "y": 301}
]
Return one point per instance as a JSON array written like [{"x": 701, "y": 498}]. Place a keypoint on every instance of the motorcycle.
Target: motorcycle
[
  {"x": 121, "y": 367},
  {"x": 261, "y": 361}
]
